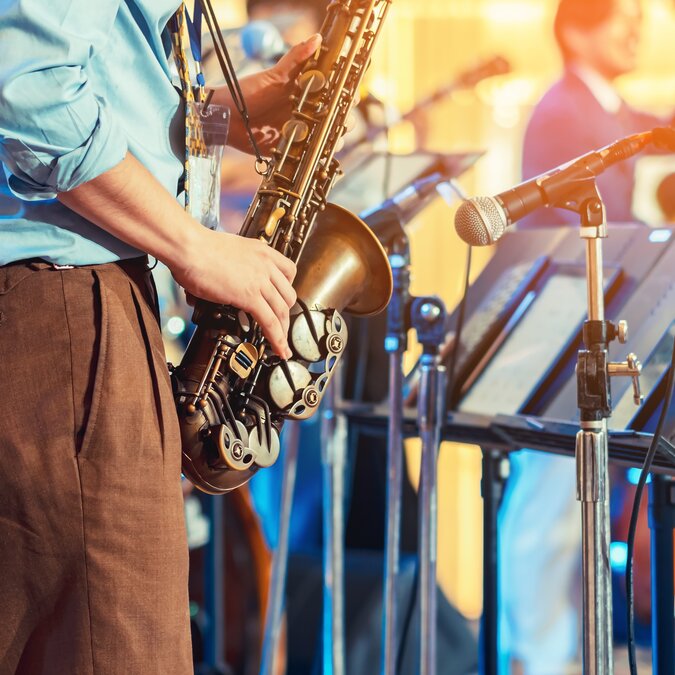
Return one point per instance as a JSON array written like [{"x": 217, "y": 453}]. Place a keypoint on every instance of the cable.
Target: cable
[
  {"x": 462, "y": 303},
  {"x": 649, "y": 458},
  {"x": 223, "y": 55},
  {"x": 460, "y": 323}
]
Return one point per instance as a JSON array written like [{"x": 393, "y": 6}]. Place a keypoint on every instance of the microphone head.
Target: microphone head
[
  {"x": 262, "y": 41},
  {"x": 664, "y": 138},
  {"x": 481, "y": 221}
]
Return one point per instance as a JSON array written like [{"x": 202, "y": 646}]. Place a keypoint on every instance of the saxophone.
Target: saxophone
[{"x": 231, "y": 392}]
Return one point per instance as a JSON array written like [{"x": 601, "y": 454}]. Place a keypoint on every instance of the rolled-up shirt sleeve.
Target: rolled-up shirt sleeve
[{"x": 56, "y": 131}]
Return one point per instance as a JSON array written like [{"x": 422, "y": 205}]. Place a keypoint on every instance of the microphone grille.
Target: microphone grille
[
  {"x": 481, "y": 221},
  {"x": 664, "y": 138}
]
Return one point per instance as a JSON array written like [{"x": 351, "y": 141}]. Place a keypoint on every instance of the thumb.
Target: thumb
[{"x": 297, "y": 55}]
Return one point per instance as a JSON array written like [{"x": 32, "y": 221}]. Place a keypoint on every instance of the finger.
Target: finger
[
  {"x": 276, "y": 301},
  {"x": 299, "y": 54},
  {"x": 271, "y": 328},
  {"x": 283, "y": 285},
  {"x": 284, "y": 264}
]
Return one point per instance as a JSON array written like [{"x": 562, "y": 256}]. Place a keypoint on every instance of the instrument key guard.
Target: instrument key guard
[{"x": 318, "y": 339}]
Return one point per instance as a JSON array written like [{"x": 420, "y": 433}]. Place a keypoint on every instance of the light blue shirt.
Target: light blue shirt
[{"x": 81, "y": 84}]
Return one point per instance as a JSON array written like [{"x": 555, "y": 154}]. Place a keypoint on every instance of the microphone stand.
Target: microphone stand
[
  {"x": 214, "y": 573},
  {"x": 396, "y": 342},
  {"x": 662, "y": 523},
  {"x": 594, "y": 401},
  {"x": 429, "y": 318},
  {"x": 275, "y": 604},
  {"x": 333, "y": 465}
]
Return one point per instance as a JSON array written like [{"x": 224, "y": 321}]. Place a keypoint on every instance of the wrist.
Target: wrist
[{"x": 183, "y": 250}]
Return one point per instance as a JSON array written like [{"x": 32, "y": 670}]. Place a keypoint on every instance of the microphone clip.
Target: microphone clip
[{"x": 581, "y": 196}]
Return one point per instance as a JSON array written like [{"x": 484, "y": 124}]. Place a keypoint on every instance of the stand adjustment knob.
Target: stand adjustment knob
[
  {"x": 631, "y": 367},
  {"x": 430, "y": 312},
  {"x": 622, "y": 331}
]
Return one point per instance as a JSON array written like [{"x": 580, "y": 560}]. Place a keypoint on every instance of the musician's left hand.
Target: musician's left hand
[{"x": 267, "y": 96}]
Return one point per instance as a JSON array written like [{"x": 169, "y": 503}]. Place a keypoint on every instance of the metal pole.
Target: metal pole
[
  {"x": 661, "y": 522},
  {"x": 398, "y": 320},
  {"x": 275, "y": 604},
  {"x": 428, "y": 317},
  {"x": 592, "y": 492},
  {"x": 592, "y": 487},
  {"x": 495, "y": 473},
  {"x": 333, "y": 449},
  {"x": 394, "y": 497},
  {"x": 214, "y": 604},
  {"x": 431, "y": 406}
]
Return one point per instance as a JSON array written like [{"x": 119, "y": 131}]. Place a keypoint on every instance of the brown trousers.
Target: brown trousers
[{"x": 93, "y": 557}]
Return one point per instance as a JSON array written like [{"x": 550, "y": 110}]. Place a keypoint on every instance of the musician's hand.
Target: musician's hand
[
  {"x": 267, "y": 95},
  {"x": 229, "y": 269}
]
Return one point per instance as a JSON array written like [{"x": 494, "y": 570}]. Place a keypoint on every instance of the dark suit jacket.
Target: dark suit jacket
[{"x": 568, "y": 122}]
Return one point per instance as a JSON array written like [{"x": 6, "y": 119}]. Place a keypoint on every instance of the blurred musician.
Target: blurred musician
[{"x": 598, "y": 41}]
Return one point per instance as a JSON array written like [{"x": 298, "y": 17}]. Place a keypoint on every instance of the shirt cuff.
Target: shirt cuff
[{"x": 37, "y": 174}]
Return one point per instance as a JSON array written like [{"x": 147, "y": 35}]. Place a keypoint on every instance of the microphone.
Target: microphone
[
  {"x": 386, "y": 220},
  {"x": 482, "y": 220},
  {"x": 664, "y": 138},
  {"x": 262, "y": 41}
]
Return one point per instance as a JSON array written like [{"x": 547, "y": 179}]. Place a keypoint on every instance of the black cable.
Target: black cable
[
  {"x": 649, "y": 458},
  {"x": 223, "y": 55},
  {"x": 460, "y": 323}
]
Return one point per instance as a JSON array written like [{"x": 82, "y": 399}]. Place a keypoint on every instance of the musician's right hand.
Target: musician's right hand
[
  {"x": 229, "y": 269},
  {"x": 129, "y": 202}
]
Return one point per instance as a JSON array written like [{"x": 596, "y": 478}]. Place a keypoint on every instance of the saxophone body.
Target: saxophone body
[{"x": 232, "y": 393}]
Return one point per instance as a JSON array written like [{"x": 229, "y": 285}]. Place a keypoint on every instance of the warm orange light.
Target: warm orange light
[{"x": 513, "y": 11}]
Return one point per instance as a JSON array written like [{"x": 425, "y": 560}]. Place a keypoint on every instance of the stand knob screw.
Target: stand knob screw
[
  {"x": 631, "y": 367},
  {"x": 430, "y": 312},
  {"x": 622, "y": 331}
]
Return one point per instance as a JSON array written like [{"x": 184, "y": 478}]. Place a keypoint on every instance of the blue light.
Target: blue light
[
  {"x": 391, "y": 344},
  {"x": 633, "y": 476},
  {"x": 175, "y": 325},
  {"x": 396, "y": 260},
  {"x": 618, "y": 555},
  {"x": 660, "y": 236}
]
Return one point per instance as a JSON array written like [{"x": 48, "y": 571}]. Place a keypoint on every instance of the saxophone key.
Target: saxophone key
[
  {"x": 295, "y": 131},
  {"x": 312, "y": 81},
  {"x": 308, "y": 341},
  {"x": 266, "y": 453},
  {"x": 285, "y": 381},
  {"x": 233, "y": 447},
  {"x": 273, "y": 221}
]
